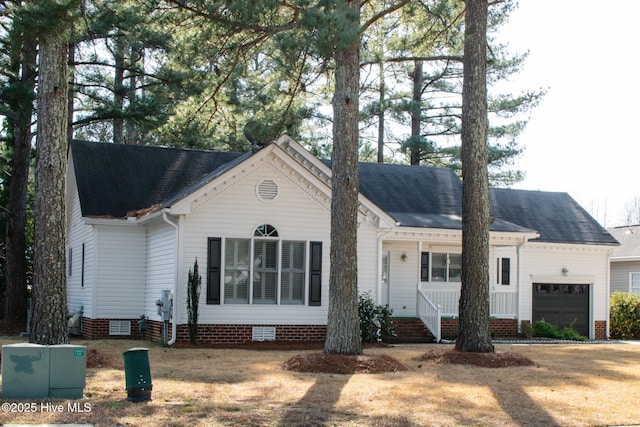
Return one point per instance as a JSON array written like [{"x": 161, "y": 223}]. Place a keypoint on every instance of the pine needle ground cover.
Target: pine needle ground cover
[{"x": 567, "y": 385}]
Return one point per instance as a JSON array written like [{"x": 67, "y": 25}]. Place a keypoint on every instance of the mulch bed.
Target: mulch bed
[
  {"x": 484, "y": 360},
  {"x": 343, "y": 364}
]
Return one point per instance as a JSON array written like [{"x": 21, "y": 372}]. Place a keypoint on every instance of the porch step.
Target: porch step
[{"x": 410, "y": 330}]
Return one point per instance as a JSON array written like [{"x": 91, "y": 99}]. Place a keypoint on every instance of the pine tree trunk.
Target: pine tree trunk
[
  {"x": 343, "y": 329},
  {"x": 474, "y": 333},
  {"x": 15, "y": 310},
  {"x": 49, "y": 322}
]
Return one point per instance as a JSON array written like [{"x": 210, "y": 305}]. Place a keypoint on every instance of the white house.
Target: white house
[{"x": 259, "y": 226}]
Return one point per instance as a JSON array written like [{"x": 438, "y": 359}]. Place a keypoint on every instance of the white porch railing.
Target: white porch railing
[
  {"x": 434, "y": 304},
  {"x": 430, "y": 314},
  {"x": 501, "y": 304}
]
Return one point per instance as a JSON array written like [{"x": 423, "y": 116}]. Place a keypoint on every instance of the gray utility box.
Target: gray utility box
[
  {"x": 67, "y": 371},
  {"x": 33, "y": 371},
  {"x": 25, "y": 371}
]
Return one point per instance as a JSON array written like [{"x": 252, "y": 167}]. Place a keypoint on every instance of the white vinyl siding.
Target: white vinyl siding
[
  {"x": 233, "y": 211},
  {"x": 544, "y": 263},
  {"x": 160, "y": 265},
  {"x": 79, "y": 269},
  {"x": 120, "y": 274}
]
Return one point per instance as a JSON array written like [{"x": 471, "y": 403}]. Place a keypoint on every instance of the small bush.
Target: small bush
[
  {"x": 547, "y": 330},
  {"x": 375, "y": 320},
  {"x": 624, "y": 315}
]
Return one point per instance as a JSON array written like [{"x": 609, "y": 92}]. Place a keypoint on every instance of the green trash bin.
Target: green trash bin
[{"x": 137, "y": 374}]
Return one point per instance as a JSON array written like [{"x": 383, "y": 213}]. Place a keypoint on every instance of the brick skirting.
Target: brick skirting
[
  {"x": 214, "y": 334},
  {"x": 407, "y": 330},
  {"x": 600, "y": 329},
  {"x": 413, "y": 330}
]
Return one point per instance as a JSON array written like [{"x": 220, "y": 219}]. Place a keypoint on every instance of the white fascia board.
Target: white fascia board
[
  {"x": 625, "y": 258},
  {"x": 120, "y": 222}
]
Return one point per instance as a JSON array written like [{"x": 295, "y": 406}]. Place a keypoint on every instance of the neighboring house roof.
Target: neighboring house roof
[
  {"x": 629, "y": 238},
  {"x": 115, "y": 180},
  {"x": 556, "y": 216}
]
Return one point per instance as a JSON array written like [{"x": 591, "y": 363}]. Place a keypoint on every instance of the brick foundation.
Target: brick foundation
[
  {"x": 213, "y": 334},
  {"x": 600, "y": 329},
  {"x": 413, "y": 330}
]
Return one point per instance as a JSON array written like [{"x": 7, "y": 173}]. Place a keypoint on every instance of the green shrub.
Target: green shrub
[
  {"x": 194, "y": 283},
  {"x": 547, "y": 330},
  {"x": 375, "y": 320},
  {"x": 624, "y": 315}
]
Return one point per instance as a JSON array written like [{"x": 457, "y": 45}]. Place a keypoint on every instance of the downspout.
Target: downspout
[
  {"x": 518, "y": 284},
  {"x": 174, "y": 324},
  {"x": 608, "y": 290}
]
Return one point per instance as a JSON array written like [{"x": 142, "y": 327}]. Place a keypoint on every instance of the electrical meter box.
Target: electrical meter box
[
  {"x": 25, "y": 371},
  {"x": 67, "y": 371}
]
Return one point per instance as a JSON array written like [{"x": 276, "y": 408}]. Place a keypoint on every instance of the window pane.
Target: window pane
[
  {"x": 236, "y": 271},
  {"x": 455, "y": 267},
  {"x": 635, "y": 283},
  {"x": 438, "y": 267},
  {"x": 265, "y": 271},
  {"x": 293, "y": 273}
]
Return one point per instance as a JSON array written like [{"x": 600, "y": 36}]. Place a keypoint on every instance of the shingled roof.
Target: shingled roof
[
  {"x": 115, "y": 180},
  {"x": 556, "y": 216},
  {"x": 629, "y": 238}
]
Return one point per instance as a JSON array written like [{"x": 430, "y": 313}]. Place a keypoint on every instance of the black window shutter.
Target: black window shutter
[
  {"x": 315, "y": 274},
  {"x": 424, "y": 266},
  {"x": 506, "y": 271},
  {"x": 214, "y": 256}
]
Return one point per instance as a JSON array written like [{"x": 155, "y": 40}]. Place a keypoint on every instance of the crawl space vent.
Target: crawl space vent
[
  {"x": 119, "y": 327},
  {"x": 264, "y": 333},
  {"x": 267, "y": 190}
]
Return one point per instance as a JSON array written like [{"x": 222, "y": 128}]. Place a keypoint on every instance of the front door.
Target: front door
[{"x": 384, "y": 297}]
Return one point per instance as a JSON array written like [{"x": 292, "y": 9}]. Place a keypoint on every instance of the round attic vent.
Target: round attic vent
[{"x": 267, "y": 190}]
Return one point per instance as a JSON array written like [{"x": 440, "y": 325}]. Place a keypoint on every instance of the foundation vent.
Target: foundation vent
[
  {"x": 263, "y": 333},
  {"x": 119, "y": 327}
]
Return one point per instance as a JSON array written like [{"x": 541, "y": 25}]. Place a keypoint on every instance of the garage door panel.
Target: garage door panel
[{"x": 562, "y": 305}]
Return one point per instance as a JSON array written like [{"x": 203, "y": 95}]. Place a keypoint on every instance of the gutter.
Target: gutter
[{"x": 174, "y": 325}]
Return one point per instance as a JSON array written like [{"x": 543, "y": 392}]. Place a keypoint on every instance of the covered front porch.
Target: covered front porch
[{"x": 420, "y": 277}]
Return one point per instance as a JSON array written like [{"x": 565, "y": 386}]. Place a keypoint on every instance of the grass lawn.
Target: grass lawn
[{"x": 570, "y": 385}]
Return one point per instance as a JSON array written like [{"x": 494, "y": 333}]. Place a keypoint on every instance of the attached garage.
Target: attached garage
[{"x": 562, "y": 305}]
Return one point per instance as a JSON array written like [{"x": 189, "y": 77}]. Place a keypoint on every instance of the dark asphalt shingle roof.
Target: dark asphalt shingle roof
[
  {"x": 556, "y": 216},
  {"x": 114, "y": 180}
]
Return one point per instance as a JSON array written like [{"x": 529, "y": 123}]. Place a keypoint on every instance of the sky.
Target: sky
[{"x": 582, "y": 138}]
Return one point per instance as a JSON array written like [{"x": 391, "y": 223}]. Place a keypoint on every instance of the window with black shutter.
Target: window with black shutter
[
  {"x": 424, "y": 266},
  {"x": 213, "y": 270},
  {"x": 315, "y": 274}
]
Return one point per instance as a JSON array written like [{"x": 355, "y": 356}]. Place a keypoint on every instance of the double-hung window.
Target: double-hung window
[
  {"x": 634, "y": 283},
  {"x": 445, "y": 267},
  {"x": 264, "y": 269},
  {"x": 503, "y": 271}
]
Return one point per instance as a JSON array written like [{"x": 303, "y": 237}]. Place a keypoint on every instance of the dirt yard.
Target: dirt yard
[{"x": 426, "y": 385}]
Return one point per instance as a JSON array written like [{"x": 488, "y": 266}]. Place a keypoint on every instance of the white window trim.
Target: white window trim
[
  {"x": 636, "y": 290},
  {"x": 280, "y": 240}
]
